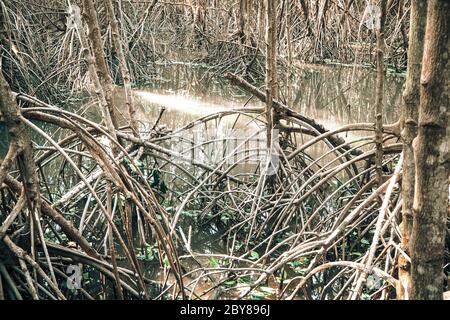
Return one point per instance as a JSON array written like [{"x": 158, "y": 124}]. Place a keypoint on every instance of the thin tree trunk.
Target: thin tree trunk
[
  {"x": 431, "y": 149},
  {"x": 123, "y": 66},
  {"x": 89, "y": 56},
  {"x": 379, "y": 31},
  {"x": 272, "y": 114},
  {"x": 271, "y": 67},
  {"x": 95, "y": 38},
  {"x": 288, "y": 29},
  {"x": 20, "y": 140},
  {"x": 305, "y": 11},
  {"x": 243, "y": 11},
  {"x": 410, "y": 111}
]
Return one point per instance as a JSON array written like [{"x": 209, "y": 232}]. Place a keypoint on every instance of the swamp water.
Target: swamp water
[{"x": 332, "y": 96}]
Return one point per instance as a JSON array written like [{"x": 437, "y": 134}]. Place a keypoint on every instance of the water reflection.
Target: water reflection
[
  {"x": 180, "y": 103},
  {"x": 333, "y": 96},
  {"x": 336, "y": 96}
]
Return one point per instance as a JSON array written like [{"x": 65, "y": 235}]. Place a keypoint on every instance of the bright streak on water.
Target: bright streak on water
[{"x": 184, "y": 104}]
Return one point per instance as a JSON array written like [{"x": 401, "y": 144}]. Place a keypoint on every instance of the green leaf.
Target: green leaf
[
  {"x": 356, "y": 254},
  {"x": 166, "y": 262},
  {"x": 257, "y": 295},
  {"x": 254, "y": 255},
  {"x": 300, "y": 271},
  {"x": 224, "y": 218},
  {"x": 365, "y": 296},
  {"x": 213, "y": 262}
]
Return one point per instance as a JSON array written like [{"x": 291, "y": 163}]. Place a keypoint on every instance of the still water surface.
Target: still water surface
[{"x": 333, "y": 96}]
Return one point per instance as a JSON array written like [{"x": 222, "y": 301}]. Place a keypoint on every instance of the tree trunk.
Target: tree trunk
[
  {"x": 271, "y": 67},
  {"x": 379, "y": 31},
  {"x": 432, "y": 158},
  {"x": 288, "y": 29},
  {"x": 21, "y": 144},
  {"x": 95, "y": 38},
  {"x": 305, "y": 11},
  {"x": 243, "y": 12},
  {"x": 94, "y": 77},
  {"x": 410, "y": 111},
  {"x": 20, "y": 140},
  {"x": 123, "y": 66}
]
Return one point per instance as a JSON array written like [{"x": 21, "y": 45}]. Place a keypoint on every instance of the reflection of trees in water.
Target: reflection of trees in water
[
  {"x": 335, "y": 95},
  {"x": 345, "y": 95}
]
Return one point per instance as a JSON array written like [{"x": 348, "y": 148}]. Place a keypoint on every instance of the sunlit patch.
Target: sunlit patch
[{"x": 185, "y": 104}]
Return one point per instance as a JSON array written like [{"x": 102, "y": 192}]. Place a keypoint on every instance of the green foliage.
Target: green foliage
[
  {"x": 150, "y": 253},
  {"x": 213, "y": 262},
  {"x": 299, "y": 265},
  {"x": 262, "y": 293},
  {"x": 254, "y": 255}
]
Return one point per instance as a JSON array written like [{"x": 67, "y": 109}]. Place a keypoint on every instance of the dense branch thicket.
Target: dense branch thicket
[
  {"x": 132, "y": 210},
  {"x": 43, "y": 56}
]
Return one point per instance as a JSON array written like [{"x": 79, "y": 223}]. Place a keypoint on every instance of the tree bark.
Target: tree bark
[
  {"x": 288, "y": 30},
  {"x": 95, "y": 38},
  {"x": 271, "y": 68},
  {"x": 123, "y": 66},
  {"x": 305, "y": 11},
  {"x": 20, "y": 140},
  {"x": 243, "y": 12},
  {"x": 431, "y": 149},
  {"x": 379, "y": 31},
  {"x": 409, "y": 118}
]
